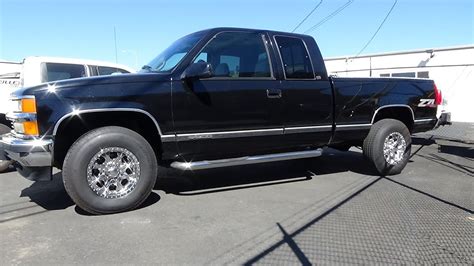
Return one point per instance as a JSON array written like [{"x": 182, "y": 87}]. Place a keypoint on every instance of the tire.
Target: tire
[
  {"x": 4, "y": 165},
  {"x": 392, "y": 136},
  {"x": 97, "y": 164}
]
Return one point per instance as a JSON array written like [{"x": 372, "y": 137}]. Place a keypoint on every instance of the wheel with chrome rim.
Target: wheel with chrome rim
[
  {"x": 388, "y": 146},
  {"x": 113, "y": 172},
  {"x": 394, "y": 148},
  {"x": 110, "y": 169}
]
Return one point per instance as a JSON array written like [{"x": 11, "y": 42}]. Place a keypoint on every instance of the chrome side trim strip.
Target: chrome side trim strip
[
  {"x": 393, "y": 105},
  {"x": 260, "y": 132},
  {"x": 78, "y": 112},
  {"x": 352, "y": 127},
  {"x": 168, "y": 138},
  {"x": 229, "y": 134},
  {"x": 307, "y": 129},
  {"x": 246, "y": 160},
  {"x": 425, "y": 121}
]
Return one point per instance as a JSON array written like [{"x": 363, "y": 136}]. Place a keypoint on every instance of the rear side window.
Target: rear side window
[
  {"x": 59, "y": 71},
  {"x": 295, "y": 58}
]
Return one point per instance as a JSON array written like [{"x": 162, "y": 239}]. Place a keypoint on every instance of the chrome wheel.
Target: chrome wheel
[
  {"x": 394, "y": 148},
  {"x": 113, "y": 172}
]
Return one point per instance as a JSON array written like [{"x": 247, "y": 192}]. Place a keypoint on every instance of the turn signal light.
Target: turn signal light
[
  {"x": 29, "y": 128},
  {"x": 28, "y": 105}
]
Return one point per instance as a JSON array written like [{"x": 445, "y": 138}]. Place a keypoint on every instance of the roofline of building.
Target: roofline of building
[{"x": 429, "y": 50}]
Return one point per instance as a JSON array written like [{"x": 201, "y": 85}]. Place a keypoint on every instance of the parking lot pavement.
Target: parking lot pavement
[{"x": 332, "y": 209}]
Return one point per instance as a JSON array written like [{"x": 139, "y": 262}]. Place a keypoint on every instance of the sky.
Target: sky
[{"x": 143, "y": 28}]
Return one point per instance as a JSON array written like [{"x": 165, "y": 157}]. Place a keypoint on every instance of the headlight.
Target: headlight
[{"x": 23, "y": 115}]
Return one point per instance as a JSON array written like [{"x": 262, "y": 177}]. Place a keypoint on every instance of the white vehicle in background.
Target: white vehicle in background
[{"x": 35, "y": 70}]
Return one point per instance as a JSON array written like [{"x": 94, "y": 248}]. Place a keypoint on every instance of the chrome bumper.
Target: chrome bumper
[{"x": 31, "y": 157}]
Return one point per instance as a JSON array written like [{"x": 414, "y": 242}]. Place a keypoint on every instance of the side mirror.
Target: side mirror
[{"x": 198, "y": 70}]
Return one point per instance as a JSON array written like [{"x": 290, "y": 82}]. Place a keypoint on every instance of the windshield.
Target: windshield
[{"x": 170, "y": 57}]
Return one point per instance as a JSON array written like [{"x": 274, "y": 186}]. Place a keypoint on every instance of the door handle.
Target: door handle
[{"x": 274, "y": 93}]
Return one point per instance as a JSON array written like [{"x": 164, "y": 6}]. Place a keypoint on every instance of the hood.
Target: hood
[{"x": 95, "y": 81}]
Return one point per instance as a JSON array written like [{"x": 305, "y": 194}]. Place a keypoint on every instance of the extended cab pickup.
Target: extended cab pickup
[{"x": 214, "y": 98}]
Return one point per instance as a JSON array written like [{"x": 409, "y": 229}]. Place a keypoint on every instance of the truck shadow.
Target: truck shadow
[
  {"x": 258, "y": 175},
  {"x": 52, "y": 195},
  {"x": 49, "y": 195}
]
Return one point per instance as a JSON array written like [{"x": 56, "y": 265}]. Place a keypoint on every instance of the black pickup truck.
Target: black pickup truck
[{"x": 214, "y": 98}]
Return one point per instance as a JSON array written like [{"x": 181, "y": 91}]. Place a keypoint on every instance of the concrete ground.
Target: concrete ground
[{"x": 333, "y": 209}]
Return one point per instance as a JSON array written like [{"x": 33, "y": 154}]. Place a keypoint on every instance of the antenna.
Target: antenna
[{"x": 115, "y": 40}]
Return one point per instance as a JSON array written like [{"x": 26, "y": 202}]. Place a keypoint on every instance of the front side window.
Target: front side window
[
  {"x": 295, "y": 58},
  {"x": 237, "y": 55},
  {"x": 60, "y": 71}
]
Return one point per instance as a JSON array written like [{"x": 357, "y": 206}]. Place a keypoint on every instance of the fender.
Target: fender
[
  {"x": 164, "y": 138},
  {"x": 393, "y": 105}
]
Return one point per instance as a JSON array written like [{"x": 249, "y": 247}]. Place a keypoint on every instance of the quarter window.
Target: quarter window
[
  {"x": 237, "y": 55},
  {"x": 295, "y": 58},
  {"x": 110, "y": 70}
]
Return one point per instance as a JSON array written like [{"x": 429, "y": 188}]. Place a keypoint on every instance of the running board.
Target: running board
[{"x": 246, "y": 160}]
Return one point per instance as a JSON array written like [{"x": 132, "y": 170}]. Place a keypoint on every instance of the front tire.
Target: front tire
[
  {"x": 109, "y": 170},
  {"x": 388, "y": 146},
  {"x": 4, "y": 165}
]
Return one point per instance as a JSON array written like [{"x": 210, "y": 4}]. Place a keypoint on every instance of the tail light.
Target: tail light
[{"x": 438, "y": 96}]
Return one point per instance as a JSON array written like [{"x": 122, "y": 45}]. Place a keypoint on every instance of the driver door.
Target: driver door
[{"x": 233, "y": 113}]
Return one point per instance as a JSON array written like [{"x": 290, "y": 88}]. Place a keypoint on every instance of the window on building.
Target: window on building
[
  {"x": 404, "y": 75},
  {"x": 237, "y": 55},
  {"x": 424, "y": 74},
  {"x": 295, "y": 58}
]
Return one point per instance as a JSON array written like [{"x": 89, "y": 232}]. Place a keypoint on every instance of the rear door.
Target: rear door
[
  {"x": 307, "y": 95},
  {"x": 234, "y": 112}
]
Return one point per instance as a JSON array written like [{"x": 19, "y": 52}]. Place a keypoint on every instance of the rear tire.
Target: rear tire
[
  {"x": 388, "y": 146},
  {"x": 109, "y": 170},
  {"x": 4, "y": 165}
]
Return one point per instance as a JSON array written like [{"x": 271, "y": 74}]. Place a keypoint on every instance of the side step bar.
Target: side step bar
[{"x": 246, "y": 160}]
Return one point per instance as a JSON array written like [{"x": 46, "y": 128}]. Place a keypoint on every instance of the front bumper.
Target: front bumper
[{"x": 32, "y": 157}]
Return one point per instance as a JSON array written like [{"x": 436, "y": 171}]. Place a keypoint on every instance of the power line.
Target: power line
[
  {"x": 307, "y": 16},
  {"x": 378, "y": 29},
  {"x": 330, "y": 16}
]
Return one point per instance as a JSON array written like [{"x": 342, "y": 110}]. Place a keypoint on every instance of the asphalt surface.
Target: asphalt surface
[{"x": 330, "y": 210}]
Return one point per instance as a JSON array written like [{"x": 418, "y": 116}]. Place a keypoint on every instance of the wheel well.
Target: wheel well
[
  {"x": 74, "y": 127},
  {"x": 403, "y": 114}
]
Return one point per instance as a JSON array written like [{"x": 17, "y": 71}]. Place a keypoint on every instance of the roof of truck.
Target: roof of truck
[{"x": 220, "y": 29}]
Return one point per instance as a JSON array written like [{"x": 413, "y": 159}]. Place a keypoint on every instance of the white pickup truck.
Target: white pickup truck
[{"x": 35, "y": 70}]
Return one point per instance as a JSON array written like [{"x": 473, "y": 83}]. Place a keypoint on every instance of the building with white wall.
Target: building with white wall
[{"x": 451, "y": 68}]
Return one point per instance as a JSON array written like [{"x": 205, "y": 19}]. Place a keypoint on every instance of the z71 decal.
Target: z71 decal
[{"x": 426, "y": 102}]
